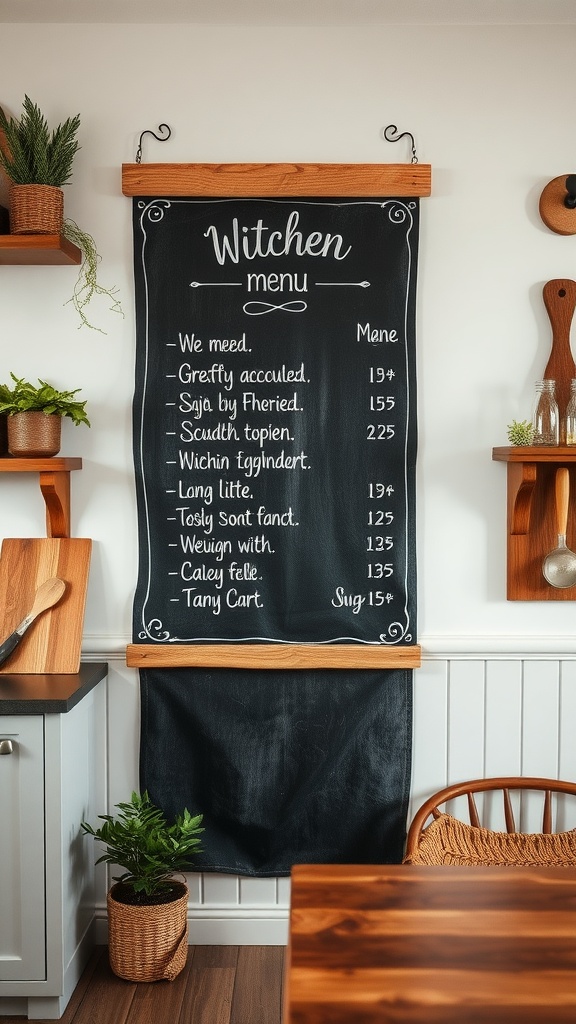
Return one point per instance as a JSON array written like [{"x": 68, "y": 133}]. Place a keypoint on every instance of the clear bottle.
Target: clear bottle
[
  {"x": 571, "y": 415},
  {"x": 546, "y": 420}
]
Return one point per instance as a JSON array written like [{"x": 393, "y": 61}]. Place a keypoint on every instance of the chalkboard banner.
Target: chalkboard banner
[{"x": 275, "y": 420}]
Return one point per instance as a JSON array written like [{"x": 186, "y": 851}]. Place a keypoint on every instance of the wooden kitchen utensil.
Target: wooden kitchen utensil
[
  {"x": 47, "y": 595},
  {"x": 55, "y": 643},
  {"x": 559, "y": 566},
  {"x": 560, "y": 301}
]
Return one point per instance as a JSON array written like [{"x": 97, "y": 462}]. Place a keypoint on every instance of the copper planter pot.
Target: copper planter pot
[{"x": 34, "y": 435}]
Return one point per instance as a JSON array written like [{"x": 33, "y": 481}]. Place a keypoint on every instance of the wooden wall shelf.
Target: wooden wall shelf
[
  {"x": 34, "y": 250},
  {"x": 531, "y": 519},
  {"x": 54, "y": 474}
]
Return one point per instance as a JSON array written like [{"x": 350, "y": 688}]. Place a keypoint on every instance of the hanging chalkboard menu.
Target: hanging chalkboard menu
[{"x": 275, "y": 420}]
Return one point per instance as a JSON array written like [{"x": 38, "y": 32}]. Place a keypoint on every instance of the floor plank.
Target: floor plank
[
  {"x": 258, "y": 988},
  {"x": 218, "y": 985},
  {"x": 160, "y": 1002},
  {"x": 108, "y": 998},
  {"x": 210, "y": 985}
]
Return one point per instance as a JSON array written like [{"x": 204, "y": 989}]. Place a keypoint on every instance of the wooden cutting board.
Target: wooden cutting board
[
  {"x": 53, "y": 642},
  {"x": 560, "y": 301}
]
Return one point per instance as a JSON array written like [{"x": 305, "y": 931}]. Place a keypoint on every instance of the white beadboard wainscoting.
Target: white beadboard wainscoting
[{"x": 489, "y": 713}]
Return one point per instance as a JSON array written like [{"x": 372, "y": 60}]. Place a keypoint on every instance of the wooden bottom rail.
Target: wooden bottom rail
[{"x": 272, "y": 656}]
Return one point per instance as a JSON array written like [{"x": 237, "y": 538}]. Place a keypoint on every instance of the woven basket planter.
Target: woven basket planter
[
  {"x": 36, "y": 210},
  {"x": 148, "y": 943},
  {"x": 34, "y": 435}
]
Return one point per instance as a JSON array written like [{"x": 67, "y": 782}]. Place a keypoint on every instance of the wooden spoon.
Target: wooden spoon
[
  {"x": 47, "y": 595},
  {"x": 559, "y": 566}
]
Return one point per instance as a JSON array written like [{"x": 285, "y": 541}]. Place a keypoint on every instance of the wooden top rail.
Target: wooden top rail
[{"x": 276, "y": 179}]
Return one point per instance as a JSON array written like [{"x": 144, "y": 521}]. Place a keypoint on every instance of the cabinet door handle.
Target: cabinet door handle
[{"x": 6, "y": 747}]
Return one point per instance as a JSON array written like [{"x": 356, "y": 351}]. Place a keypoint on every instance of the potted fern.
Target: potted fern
[
  {"x": 38, "y": 162},
  {"x": 147, "y": 906},
  {"x": 35, "y": 412}
]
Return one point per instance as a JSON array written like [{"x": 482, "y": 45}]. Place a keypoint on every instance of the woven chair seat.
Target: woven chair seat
[{"x": 450, "y": 841}]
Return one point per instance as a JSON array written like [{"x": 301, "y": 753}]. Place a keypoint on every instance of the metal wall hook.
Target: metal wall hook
[
  {"x": 390, "y": 133},
  {"x": 148, "y": 131},
  {"x": 570, "y": 197}
]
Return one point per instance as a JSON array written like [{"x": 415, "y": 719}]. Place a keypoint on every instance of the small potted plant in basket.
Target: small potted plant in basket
[
  {"x": 147, "y": 906},
  {"x": 35, "y": 416},
  {"x": 38, "y": 163}
]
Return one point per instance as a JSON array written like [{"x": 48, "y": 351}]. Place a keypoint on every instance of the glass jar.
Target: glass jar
[
  {"x": 571, "y": 415},
  {"x": 546, "y": 420}
]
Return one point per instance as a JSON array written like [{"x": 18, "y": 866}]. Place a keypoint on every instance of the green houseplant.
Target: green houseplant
[
  {"x": 38, "y": 163},
  {"x": 520, "y": 432},
  {"x": 147, "y": 906},
  {"x": 87, "y": 284},
  {"x": 35, "y": 416}
]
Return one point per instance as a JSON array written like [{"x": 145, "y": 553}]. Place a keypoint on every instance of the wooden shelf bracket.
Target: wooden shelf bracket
[
  {"x": 55, "y": 488},
  {"x": 54, "y": 477},
  {"x": 521, "y": 483}
]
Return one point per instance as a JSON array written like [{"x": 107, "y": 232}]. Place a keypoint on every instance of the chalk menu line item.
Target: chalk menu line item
[{"x": 277, "y": 400}]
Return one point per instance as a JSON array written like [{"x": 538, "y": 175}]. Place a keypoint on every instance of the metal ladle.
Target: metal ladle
[{"x": 559, "y": 567}]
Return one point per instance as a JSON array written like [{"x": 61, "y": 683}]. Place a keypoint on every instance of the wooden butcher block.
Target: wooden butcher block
[{"x": 54, "y": 640}]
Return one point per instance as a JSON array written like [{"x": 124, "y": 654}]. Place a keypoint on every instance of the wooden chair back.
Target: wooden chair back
[{"x": 506, "y": 784}]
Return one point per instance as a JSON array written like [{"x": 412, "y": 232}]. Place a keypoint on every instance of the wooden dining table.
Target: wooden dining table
[{"x": 407, "y": 943}]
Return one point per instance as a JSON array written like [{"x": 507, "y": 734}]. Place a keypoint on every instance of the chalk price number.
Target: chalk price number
[{"x": 380, "y": 403}]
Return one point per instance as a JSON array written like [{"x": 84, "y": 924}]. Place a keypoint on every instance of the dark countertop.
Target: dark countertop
[{"x": 48, "y": 694}]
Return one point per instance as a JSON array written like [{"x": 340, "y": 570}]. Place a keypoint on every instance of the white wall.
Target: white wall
[{"x": 490, "y": 109}]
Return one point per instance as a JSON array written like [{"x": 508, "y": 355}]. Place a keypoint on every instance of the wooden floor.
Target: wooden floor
[{"x": 219, "y": 985}]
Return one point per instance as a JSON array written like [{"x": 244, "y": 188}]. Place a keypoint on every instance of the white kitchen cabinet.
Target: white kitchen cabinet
[
  {"x": 22, "y": 892},
  {"x": 51, "y": 779}
]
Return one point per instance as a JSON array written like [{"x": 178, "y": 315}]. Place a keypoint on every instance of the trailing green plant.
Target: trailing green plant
[
  {"x": 87, "y": 284},
  {"x": 140, "y": 840},
  {"x": 520, "y": 432},
  {"x": 35, "y": 155},
  {"x": 26, "y": 397}
]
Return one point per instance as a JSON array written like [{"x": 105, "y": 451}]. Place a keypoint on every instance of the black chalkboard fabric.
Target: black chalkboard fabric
[
  {"x": 275, "y": 420},
  {"x": 306, "y": 768},
  {"x": 275, "y": 449}
]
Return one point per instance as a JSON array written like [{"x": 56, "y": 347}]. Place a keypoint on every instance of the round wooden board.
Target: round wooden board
[{"x": 556, "y": 216}]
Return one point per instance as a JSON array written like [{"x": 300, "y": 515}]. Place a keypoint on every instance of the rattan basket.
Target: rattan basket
[
  {"x": 34, "y": 435},
  {"x": 148, "y": 943},
  {"x": 36, "y": 210}
]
